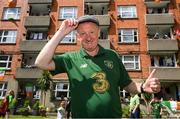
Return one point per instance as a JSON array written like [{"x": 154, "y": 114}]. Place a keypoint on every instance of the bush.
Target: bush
[{"x": 36, "y": 105}]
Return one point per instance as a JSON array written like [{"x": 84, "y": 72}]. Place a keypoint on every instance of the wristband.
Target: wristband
[{"x": 141, "y": 88}]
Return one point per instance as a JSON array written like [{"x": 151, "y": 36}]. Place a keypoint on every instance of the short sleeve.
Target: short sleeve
[
  {"x": 125, "y": 79},
  {"x": 59, "y": 61}
]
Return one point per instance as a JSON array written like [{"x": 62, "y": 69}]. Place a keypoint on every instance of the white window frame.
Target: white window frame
[
  {"x": 59, "y": 88},
  {"x": 70, "y": 38},
  {"x": 130, "y": 35},
  {"x": 14, "y": 15},
  {"x": 10, "y": 37},
  {"x": 127, "y": 11},
  {"x": 68, "y": 12},
  {"x": 134, "y": 62},
  {"x": 3, "y": 90},
  {"x": 8, "y": 61}
]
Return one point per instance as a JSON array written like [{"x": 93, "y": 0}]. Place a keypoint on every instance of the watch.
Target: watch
[{"x": 141, "y": 88}]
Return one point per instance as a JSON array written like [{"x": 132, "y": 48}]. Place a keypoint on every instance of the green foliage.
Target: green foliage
[
  {"x": 1, "y": 103},
  {"x": 13, "y": 103},
  {"x": 26, "y": 103},
  {"x": 23, "y": 111},
  {"x": 125, "y": 111},
  {"x": 45, "y": 81},
  {"x": 36, "y": 105},
  {"x": 147, "y": 96}
]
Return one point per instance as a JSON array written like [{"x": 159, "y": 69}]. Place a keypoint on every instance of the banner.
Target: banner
[{"x": 2, "y": 73}]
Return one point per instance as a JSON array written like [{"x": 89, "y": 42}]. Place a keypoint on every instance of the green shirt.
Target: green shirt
[
  {"x": 156, "y": 109},
  {"x": 94, "y": 82},
  {"x": 135, "y": 100}
]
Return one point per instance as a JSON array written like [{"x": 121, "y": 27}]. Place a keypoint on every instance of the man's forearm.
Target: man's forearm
[
  {"x": 133, "y": 87},
  {"x": 45, "y": 56}
]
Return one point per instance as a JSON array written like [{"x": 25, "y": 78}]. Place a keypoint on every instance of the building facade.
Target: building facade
[{"x": 144, "y": 33}]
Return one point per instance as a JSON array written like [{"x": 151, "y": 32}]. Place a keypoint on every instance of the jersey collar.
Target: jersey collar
[{"x": 100, "y": 52}]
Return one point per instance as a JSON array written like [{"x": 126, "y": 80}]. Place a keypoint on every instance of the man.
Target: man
[{"x": 95, "y": 73}]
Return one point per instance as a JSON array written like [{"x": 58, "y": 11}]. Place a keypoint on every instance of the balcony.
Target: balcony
[
  {"x": 32, "y": 45},
  {"x": 104, "y": 20},
  {"x": 28, "y": 73},
  {"x": 96, "y": 1},
  {"x": 166, "y": 74},
  {"x": 152, "y": 3},
  {"x": 159, "y": 19},
  {"x": 39, "y": 1},
  {"x": 104, "y": 43},
  {"x": 162, "y": 46},
  {"x": 37, "y": 22}
]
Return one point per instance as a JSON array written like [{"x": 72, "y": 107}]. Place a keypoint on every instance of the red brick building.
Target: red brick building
[{"x": 143, "y": 32}]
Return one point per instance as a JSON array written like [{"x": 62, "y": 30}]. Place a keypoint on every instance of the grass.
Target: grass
[{"x": 30, "y": 117}]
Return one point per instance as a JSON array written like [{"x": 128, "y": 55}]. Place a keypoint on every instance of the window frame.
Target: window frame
[
  {"x": 56, "y": 90},
  {"x": 63, "y": 12},
  {"x": 16, "y": 15},
  {"x": 12, "y": 37},
  {"x": 3, "y": 90},
  {"x": 122, "y": 36},
  {"x": 72, "y": 37},
  {"x": 134, "y": 62},
  {"x": 123, "y": 10},
  {"x": 8, "y": 62}
]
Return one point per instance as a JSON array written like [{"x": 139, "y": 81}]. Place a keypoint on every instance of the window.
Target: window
[
  {"x": 11, "y": 13},
  {"x": 8, "y": 36},
  {"x": 163, "y": 61},
  {"x": 61, "y": 90},
  {"x": 70, "y": 38},
  {"x": 3, "y": 89},
  {"x": 124, "y": 95},
  {"x": 128, "y": 36},
  {"x": 68, "y": 12},
  {"x": 127, "y": 11},
  {"x": 5, "y": 61},
  {"x": 131, "y": 62},
  {"x": 37, "y": 36}
]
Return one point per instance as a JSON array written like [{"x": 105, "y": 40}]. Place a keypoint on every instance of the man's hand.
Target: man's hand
[
  {"x": 68, "y": 25},
  {"x": 152, "y": 85}
]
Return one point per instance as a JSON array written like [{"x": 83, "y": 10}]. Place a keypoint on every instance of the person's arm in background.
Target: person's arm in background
[{"x": 44, "y": 59}]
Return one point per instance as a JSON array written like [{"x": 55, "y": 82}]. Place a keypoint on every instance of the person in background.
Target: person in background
[
  {"x": 68, "y": 109},
  {"x": 134, "y": 106},
  {"x": 156, "y": 107},
  {"x": 61, "y": 112},
  {"x": 95, "y": 73}
]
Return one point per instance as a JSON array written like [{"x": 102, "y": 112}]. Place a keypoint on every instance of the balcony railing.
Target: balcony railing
[
  {"x": 104, "y": 43},
  {"x": 32, "y": 45},
  {"x": 158, "y": 19},
  {"x": 162, "y": 45},
  {"x": 167, "y": 74},
  {"x": 28, "y": 73},
  {"x": 37, "y": 21}
]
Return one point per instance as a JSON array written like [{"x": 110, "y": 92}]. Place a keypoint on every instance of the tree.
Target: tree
[{"x": 44, "y": 84}]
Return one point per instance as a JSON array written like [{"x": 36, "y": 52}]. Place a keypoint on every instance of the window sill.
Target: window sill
[
  {"x": 131, "y": 43},
  {"x": 67, "y": 43}
]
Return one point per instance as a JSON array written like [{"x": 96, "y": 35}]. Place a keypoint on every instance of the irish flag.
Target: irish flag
[{"x": 2, "y": 73}]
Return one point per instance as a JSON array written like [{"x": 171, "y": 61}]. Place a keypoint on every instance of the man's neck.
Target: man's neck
[{"x": 94, "y": 52}]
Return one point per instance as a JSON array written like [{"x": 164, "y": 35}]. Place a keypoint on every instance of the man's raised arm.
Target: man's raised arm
[{"x": 44, "y": 59}]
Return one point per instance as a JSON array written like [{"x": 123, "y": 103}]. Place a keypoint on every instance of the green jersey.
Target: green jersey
[{"x": 94, "y": 82}]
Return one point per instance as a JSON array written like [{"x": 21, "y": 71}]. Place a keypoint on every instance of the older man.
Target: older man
[{"x": 95, "y": 74}]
